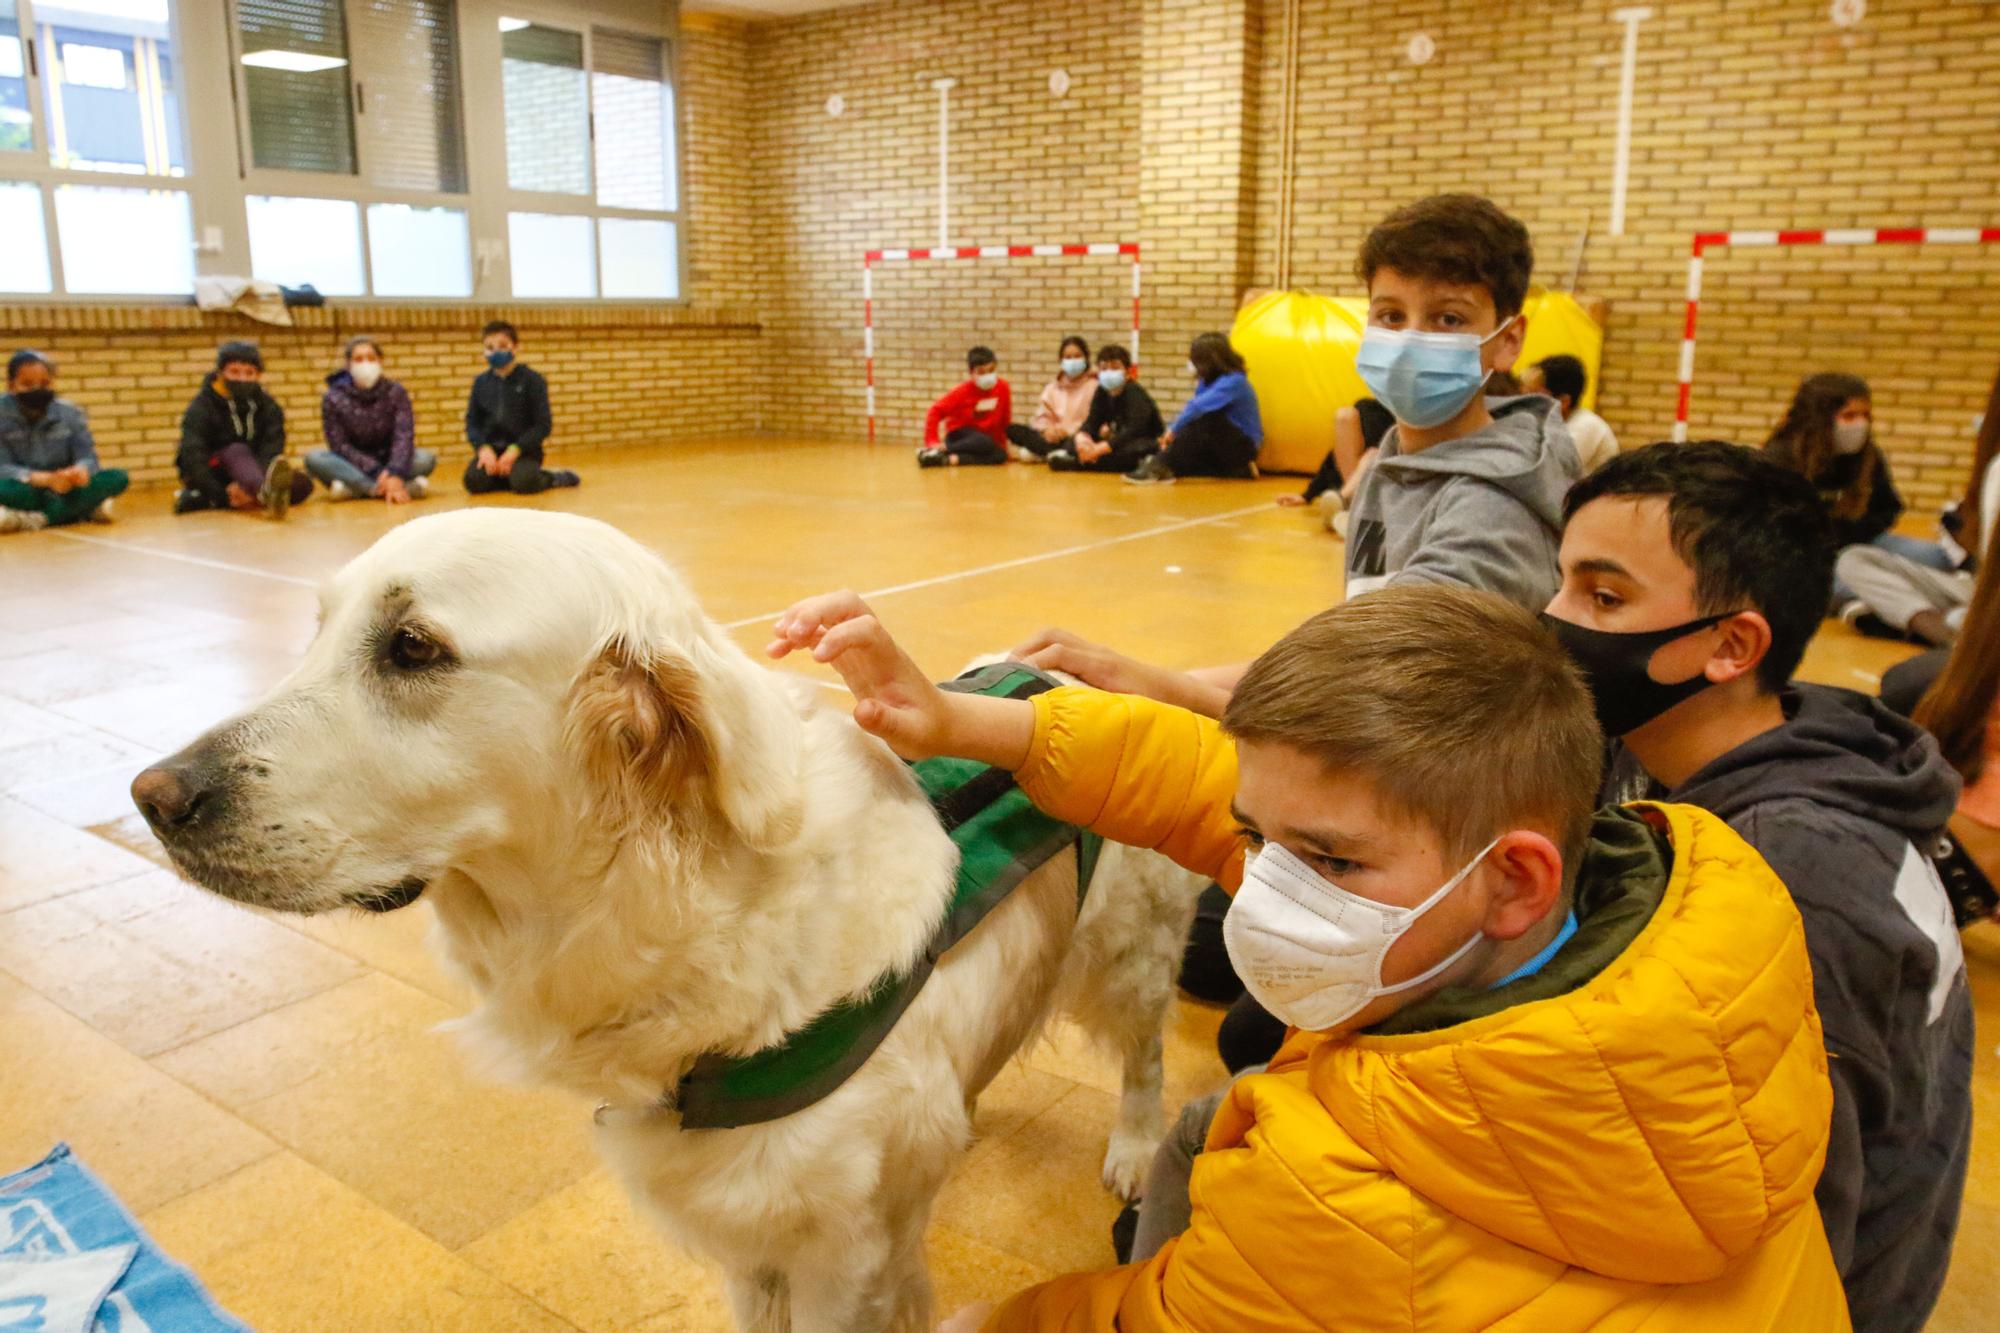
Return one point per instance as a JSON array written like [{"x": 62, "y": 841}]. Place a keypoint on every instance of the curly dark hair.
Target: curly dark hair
[{"x": 1458, "y": 238}]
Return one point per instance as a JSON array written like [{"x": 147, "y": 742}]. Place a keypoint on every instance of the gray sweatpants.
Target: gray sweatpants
[
  {"x": 1165, "y": 1210},
  {"x": 1897, "y": 588}
]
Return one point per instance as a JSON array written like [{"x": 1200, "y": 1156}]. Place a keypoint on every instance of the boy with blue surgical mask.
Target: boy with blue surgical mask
[
  {"x": 1518, "y": 1025},
  {"x": 1466, "y": 489},
  {"x": 968, "y": 425},
  {"x": 507, "y": 421},
  {"x": 1124, "y": 426}
]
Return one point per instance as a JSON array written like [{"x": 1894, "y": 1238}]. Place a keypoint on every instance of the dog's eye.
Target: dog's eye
[{"x": 411, "y": 651}]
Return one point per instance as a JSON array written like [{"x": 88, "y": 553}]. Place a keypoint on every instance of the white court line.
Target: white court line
[
  {"x": 202, "y": 560},
  {"x": 1018, "y": 561}
]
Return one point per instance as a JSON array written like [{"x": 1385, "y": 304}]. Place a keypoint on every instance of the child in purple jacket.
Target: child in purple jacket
[{"x": 371, "y": 433}]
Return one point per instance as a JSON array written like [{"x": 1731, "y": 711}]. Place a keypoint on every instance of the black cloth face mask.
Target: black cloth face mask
[
  {"x": 34, "y": 402},
  {"x": 1614, "y": 666}
]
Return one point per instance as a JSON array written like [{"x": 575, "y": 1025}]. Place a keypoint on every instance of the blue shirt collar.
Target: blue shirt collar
[{"x": 1541, "y": 960}]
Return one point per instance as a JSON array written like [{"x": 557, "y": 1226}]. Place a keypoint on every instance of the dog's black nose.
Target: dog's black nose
[{"x": 168, "y": 799}]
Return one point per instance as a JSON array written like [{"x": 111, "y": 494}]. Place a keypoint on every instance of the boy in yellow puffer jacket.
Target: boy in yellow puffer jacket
[{"x": 1548, "y": 1070}]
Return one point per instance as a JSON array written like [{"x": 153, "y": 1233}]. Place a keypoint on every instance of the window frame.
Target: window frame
[
  {"x": 32, "y": 167},
  {"x": 584, "y": 21},
  {"x": 218, "y": 178}
]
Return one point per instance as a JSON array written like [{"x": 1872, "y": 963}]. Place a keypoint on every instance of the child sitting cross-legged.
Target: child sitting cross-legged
[
  {"x": 969, "y": 423},
  {"x": 1548, "y": 1070}
]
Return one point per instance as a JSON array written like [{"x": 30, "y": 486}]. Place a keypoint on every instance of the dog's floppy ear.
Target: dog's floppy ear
[
  {"x": 635, "y": 723},
  {"x": 759, "y": 746}
]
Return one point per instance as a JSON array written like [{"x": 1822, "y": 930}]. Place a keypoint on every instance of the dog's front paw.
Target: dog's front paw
[{"x": 1127, "y": 1158}]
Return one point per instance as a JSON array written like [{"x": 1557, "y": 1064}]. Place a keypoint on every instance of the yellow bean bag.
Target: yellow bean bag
[{"x": 1300, "y": 348}]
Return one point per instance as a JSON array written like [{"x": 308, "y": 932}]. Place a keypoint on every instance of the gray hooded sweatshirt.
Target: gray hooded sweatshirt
[
  {"x": 1483, "y": 511},
  {"x": 1845, "y": 801}
]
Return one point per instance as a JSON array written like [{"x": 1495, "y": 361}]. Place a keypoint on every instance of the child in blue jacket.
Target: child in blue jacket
[{"x": 1219, "y": 432}]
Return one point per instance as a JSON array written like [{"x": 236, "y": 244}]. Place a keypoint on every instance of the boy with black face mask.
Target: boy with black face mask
[
  {"x": 1693, "y": 578},
  {"x": 232, "y": 453}
]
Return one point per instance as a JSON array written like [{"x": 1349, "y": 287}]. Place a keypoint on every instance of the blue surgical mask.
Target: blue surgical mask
[
  {"x": 1112, "y": 380},
  {"x": 1424, "y": 379},
  {"x": 499, "y": 358},
  {"x": 1073, "y": 366}
]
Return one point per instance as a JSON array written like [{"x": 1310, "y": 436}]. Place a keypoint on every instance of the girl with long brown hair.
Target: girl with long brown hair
[
  {"x": 1828, "y": 437},
  {"x": 1912, "y": 596}
]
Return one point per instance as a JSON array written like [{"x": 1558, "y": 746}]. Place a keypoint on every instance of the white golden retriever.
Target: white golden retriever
[{"x": 643, "y": 847}]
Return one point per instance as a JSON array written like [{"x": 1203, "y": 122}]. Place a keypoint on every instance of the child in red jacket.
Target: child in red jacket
[{"x": 973, "y": 417}]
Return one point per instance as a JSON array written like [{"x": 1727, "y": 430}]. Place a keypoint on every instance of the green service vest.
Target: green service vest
[{"x": 1001, "y": 839}]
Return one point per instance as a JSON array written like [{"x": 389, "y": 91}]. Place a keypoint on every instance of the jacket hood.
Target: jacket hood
[
  {"x": 1837, "y": 749},
  {"x": 1656, "y": 1123},
  {"x": 1526, "y": 451}
]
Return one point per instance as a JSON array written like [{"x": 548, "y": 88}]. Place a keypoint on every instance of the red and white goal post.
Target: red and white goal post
[
  {"x": 1710, "y": 240},
  {"x": 871, "y": 258}
]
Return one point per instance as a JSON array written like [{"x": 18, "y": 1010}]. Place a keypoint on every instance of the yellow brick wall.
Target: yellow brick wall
[
  {"x": 616, "y": 378},
  {"x": 1026, "y": 168},
  {"x": 1749, "y": 114}
]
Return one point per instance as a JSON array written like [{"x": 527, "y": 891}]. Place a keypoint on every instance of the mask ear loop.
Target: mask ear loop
[{"x": 1425, "y": 906}]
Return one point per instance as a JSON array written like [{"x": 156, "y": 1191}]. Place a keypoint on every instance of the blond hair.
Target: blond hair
[{"x": 1456, "y": 706}]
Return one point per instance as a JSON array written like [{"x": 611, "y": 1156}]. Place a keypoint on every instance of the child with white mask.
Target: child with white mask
[
  {"x": 371, "y": 433},
  {"x": 1520, "y": 1025}
]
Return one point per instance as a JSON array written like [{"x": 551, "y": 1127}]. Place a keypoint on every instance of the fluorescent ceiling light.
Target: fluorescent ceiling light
[
  {"x": 514, "y": 25},
  {"x": 298, "y": 62}
]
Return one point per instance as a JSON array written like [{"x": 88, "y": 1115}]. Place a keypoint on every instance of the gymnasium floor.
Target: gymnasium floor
[{"x": 272, "y": 1096}]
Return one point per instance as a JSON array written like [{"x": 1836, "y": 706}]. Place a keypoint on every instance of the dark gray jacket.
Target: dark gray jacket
[
  {"x": 1484, "y": 511},
  {"x": 1844, "y": 801}
]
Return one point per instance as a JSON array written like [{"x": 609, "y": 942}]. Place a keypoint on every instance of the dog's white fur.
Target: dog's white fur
[{"x": 642, "y": 846}]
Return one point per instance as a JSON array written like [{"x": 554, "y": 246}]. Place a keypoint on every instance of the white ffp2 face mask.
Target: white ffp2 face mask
[
  {"x": 1849, "y": 437},
  {"x": 1310, "y": 951},
  {"x": 365, "y": 374},
  {"x": 985, "y": 382}
]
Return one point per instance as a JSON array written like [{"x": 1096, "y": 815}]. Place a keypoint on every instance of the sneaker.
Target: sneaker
[
  {"x": 188, "y": 500},
  {"x": 1248, "y": 472},
  {"x": 339, "y": 490},
  {"x": 1339, "y": 525},
  {"x": 418, "y": 487},
  {"x": 930, "y": 458},
  {"x": 22, "y": 520},
  {"x": 1063, "y": 460},
  {"x": 102, "y": 514},
  {"x": 561, "y": 478},
  {"x": 1152, "y": 471},
  {"x": 1330, "y": 510},
  {"x": 1849, "y": 611},
  {"x": 1124, "y": 1231},
  {"x": 276, "y": 493},
  {"x": 1020, "y": 455}
]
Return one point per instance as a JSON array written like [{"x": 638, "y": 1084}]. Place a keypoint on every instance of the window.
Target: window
[
  {"x": 349, "y": 169},
  {"x": 17, "y": 124},
  {"x": 24, "y": 259},
  {"x": 120, "y": 242},
  {"x": 298, "y": 241},
  {"x": 407, "y": 95},
  {"x": 640, "y": 258},
  {"x": 548, "y": 108},
  {"x": 634, "y": 107},
  {"x": 592, "y": 163},
  {"x": 551, "y": 255},
  {"x": 108, "y": 89},
  {"x": 419, "y": 251},
  {"x": 93, "y": 67},
  {"x": 294, "y": 58}
]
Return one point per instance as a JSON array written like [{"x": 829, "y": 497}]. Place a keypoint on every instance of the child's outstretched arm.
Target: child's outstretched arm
[
  {"x": 893, "y": 698},
  {"x": 1134, "y": 770}
]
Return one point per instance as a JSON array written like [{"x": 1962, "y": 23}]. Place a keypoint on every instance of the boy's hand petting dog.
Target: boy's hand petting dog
[
  {"x": 893, "y": 698},
  {"x": 1094, "y": 664}
]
